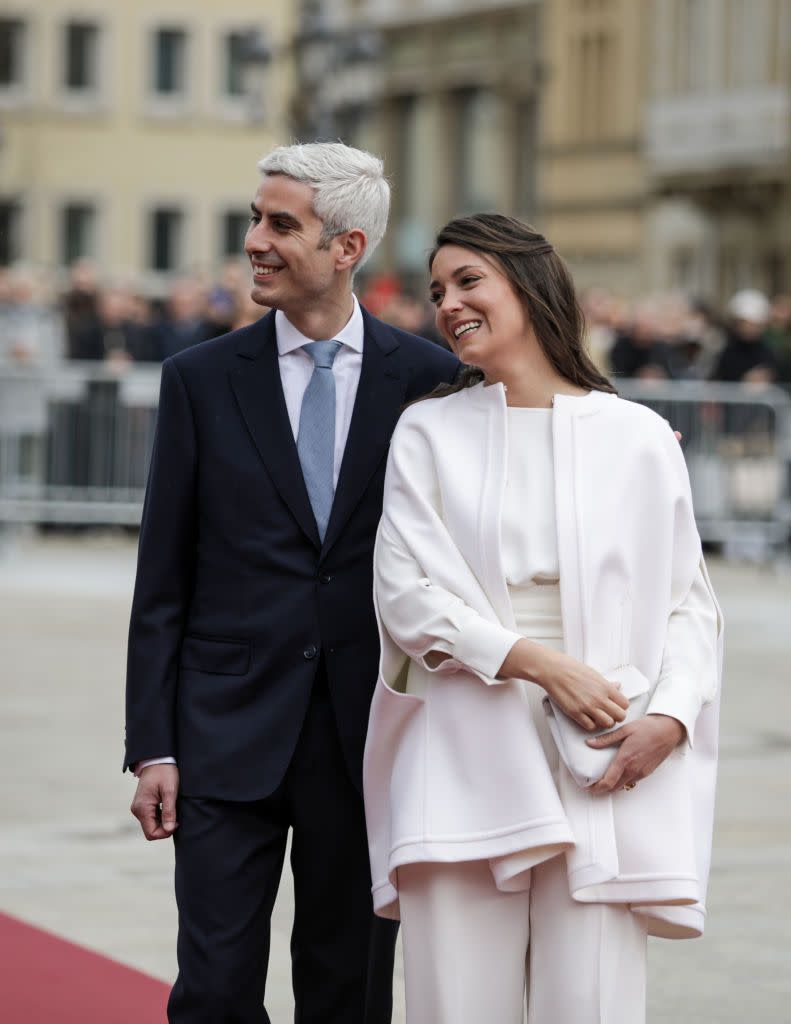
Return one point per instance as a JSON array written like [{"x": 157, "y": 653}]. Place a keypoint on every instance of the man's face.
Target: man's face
[{"x": 290, "y": 271}]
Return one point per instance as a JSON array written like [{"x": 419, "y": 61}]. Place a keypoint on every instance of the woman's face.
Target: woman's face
[{"x": 477, "y": 310}]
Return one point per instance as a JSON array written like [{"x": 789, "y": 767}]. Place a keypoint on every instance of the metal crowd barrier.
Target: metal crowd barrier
[
  {"x": 737, "y": 444},
  {"x": 75, "y": 441}
]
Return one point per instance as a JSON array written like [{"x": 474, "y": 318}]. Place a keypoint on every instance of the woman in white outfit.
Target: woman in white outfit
[{"x": 537, "y": 565}]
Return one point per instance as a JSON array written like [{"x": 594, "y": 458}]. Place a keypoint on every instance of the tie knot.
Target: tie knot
[{"x": 322, "y": 352}]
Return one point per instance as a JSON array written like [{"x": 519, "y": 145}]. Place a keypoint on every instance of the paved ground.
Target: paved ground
[{"x": 72, "y": 859}]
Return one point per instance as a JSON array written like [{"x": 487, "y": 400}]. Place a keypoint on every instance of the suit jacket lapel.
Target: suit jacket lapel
[
  {"x": 380, "y": 396},
  {"x": 259, "y": 392}
]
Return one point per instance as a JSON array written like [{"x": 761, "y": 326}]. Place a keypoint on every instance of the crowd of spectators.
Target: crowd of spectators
[
  {"x": 672, "y": 337},
  {"x": 659, "y": 337}
]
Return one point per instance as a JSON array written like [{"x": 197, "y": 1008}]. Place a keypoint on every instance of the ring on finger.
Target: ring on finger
[{"x": 629, "y": 785}]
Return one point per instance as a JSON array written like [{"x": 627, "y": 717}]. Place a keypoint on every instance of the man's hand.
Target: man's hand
[
  {"x": 154, "y": 804},
  {"x": 644, "y": 745}
]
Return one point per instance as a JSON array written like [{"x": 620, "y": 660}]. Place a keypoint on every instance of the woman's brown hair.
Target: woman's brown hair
[{"x": 541, "y": 280}]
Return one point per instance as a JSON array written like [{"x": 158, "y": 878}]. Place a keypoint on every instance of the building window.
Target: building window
[
  {"x": 234, "y": 57},
  {"x": 170, "y": 61},
  {"x": 78, "y": 232},
  {"x": 695, "y": 35},
  {"x": 234, "y": 228},
  {"x": 10, "y": 231},
  {"x": 479, "y": 164},
  {"x": 12, "y": 52},
  {"x": 81, "y": 56},
  {"x": 526, "y": 155},
  {"x": 167, "y": 228}
]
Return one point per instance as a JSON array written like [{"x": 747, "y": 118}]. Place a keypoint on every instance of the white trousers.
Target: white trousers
[{"x": 469, "y": 948}]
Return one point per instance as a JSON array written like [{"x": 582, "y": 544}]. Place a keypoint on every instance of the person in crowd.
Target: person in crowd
[
  {"x": 185, "y": 322},
  {"x": 746, "y": 356},
  {"x": 697, "y": 341},
  {"x": 224, "y": 296},
  {"x": 253, "y": 644},
  {"x": 778, "y": 335},
  {"x": 80, "y": 302},
  {"x": 116, "y": 337},
  {"x": 599, "y": 308},
  {"x": 640, "y": 350},
  {"x": 31, "y": 332},
  {"x": 410, "y": 313},
  {"x": 540, "y": 587}
]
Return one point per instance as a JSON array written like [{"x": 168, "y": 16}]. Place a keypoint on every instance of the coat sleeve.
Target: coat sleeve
[
  {"x": 165, "y": 570},
  {"x": 428, "y": 618},
  {"x": 688, "y": 677}
]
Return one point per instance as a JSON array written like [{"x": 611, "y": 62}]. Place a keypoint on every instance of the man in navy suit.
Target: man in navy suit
[{"x": 253, "y": 647}]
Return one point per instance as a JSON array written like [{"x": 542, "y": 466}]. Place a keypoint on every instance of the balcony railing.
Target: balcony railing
[{"x": 704, "y": 131}]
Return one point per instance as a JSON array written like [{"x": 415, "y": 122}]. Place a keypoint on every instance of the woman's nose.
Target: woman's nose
[{"x": 450, "y": 303}]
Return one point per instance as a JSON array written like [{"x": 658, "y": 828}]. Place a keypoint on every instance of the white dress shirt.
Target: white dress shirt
[{"x": 296, "y": 368}]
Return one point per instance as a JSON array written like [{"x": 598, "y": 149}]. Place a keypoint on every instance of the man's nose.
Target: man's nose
[{"x": 257, "y": 239}]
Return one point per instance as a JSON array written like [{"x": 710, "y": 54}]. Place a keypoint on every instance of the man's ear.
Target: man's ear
[{"x": 351, "y": 248}]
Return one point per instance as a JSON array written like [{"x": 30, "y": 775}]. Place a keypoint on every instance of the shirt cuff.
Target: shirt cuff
[
  {"x": 140, "y": 765},
  {"x": 483, "y": 646}
]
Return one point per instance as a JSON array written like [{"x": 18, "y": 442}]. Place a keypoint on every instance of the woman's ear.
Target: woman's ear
[{"x": 351, "y": 245}]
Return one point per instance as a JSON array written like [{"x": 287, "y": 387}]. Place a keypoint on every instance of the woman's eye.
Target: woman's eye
[
  {"x": 469, "y": 280},
  {"x": 435, "y": 298}
]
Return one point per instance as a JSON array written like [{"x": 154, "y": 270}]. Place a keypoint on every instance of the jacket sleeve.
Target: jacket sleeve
[
  {"x": 165, "y": 570},
  {"x": 429, "y": 621},
  {"x": 688, "y": 677}
]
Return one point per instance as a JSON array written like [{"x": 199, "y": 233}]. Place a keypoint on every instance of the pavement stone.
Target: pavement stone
[{"x": 73, "y": 860}]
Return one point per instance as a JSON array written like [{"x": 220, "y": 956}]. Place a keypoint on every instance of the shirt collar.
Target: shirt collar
[{"x": 289, "y": 338}]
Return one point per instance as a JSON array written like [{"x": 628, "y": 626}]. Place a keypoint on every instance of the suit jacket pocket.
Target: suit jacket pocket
[{"x": 215, "y": 655}]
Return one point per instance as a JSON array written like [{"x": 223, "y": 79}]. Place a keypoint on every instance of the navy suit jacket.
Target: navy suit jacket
[{"x": 236, "y": 598}]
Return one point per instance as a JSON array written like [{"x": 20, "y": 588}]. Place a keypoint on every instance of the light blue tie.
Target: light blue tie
[{"x": 316, "y": 436}]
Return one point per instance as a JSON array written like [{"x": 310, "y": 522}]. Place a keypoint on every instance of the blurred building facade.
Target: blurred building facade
[
  {"x": 718, "y": 145},
  {"x": 594, "y": 188},
  {"x": 649, "y": 139},
  {"x": 130, "y": 132},
  {"x": 449, "y": 96}
]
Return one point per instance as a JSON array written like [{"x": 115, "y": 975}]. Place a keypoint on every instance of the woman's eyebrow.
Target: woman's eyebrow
[{"x": 457, "y": 273}]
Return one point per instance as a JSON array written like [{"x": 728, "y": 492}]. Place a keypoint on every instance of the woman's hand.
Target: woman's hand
[
  {"x": 578, "y": 690},
  {"x": 644, "y": 745}
]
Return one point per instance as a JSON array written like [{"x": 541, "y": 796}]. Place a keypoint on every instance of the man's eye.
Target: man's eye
[{"x": 254, "y": 219}]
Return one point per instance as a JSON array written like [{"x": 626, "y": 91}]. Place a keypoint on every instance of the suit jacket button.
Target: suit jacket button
[
  {"x": 325, "y": 577},
  {"x": 310, "y": 652}
]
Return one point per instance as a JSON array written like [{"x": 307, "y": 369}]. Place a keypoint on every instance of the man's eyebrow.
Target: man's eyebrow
[
  {"x": 284, "y": 215},
  {"x": 457, "y": 272},
  {"x": 277, "y": 215}
]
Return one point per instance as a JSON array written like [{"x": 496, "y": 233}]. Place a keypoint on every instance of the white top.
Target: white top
[
  {"x": 296, "y": 369},
  {"x": 529, "y": 530}
]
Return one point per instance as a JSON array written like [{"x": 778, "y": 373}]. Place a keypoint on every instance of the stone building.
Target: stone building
[
  {"x": 130, "y": 132},
  {"x": 718, "y": 146},
  {"x": 449, "y": 95}
]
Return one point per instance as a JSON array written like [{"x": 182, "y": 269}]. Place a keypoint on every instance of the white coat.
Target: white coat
[{"x": 454, "y": 769}]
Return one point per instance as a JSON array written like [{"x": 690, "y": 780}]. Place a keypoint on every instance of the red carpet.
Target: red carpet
[{"x": 45, "y": 980}]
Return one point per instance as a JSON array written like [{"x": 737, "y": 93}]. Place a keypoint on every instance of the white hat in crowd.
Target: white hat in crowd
[{"x": 751, "y": 305}]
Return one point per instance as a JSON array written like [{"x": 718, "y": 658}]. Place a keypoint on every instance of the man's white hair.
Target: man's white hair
[{"x": 350, "y": 189}]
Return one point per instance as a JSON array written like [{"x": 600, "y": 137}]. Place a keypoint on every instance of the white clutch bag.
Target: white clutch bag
[{"x": 587, "y": 764}]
